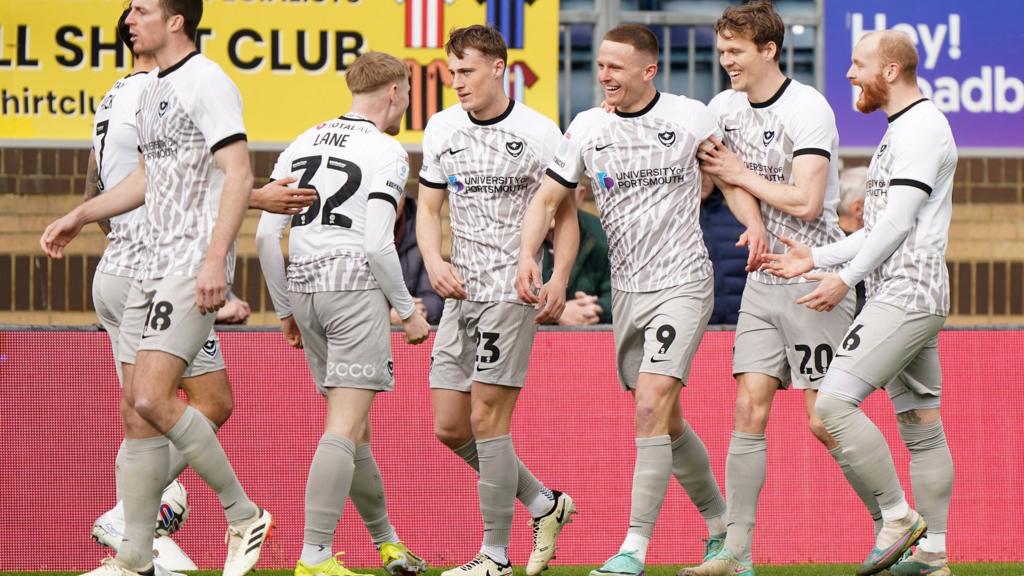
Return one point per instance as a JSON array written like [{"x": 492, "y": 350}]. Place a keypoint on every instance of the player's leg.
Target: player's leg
[
  {"x": 819, "y": 431},
  {"x": 916, "y": 394},
  {"x": 491, "y": 419},
  {"x": 883, "y": 340},
  {"x": 175, "y": 328},
  {"x": 367, "y": 494},
  {"x": 812, "y": 339},
  {"x": 692, "y": 469}
]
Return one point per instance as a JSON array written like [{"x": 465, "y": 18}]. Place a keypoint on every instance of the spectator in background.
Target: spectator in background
[
  {"x": 852, "y": 186},
  {"x": 721, "y": 231},
  {"x": 413, "y": 271},
  {"x": 851, "y": 198},
  {"x": 588, "y": 295}
]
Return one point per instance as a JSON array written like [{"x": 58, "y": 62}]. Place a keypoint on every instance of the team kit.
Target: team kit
[{"x": 170, "y": 180}]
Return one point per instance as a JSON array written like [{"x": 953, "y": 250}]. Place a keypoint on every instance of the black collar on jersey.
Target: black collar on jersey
[
  {"x": 775, "y": 97},
  {"x": 180, "y": 63},
  {"x": 355, "y": 119},
  {"x": 496, "y": 119},
  {"x": 642, "y": 111},
  {"x": 901, "y": 112}
]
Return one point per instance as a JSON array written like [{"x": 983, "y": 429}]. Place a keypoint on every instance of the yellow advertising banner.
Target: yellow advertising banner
[{"x": 59, "y": 57}]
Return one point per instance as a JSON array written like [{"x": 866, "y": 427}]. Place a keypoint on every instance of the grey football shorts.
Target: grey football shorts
[
  {"x": 888, "y": 346},
  {"x": 487, "y": 342},
  {"x": 157, "y": 315},
  {"x": 346, "y": 336},
  {"x": 788, "y": 341},
  {"x": 659, "y": 332}
]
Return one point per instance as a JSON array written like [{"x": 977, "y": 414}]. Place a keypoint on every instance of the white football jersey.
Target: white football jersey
[
  {"x": 917, "y": 150},
  {"x": 115, "y": 142},
  {"x": 186, "y": 113},
  {"x": 491, "y": 170},
  {"x": 768, "y": 135},
  {"x": 349, "y": 162},
  {"x": 644, "y": 174}
]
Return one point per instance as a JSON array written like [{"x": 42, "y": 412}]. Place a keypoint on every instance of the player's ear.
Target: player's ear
[
  {"x": 499, "y": 68},
  {"x": 650, "y": 71},
  {"x": 176, "y": 23},
  {"x": 769, "y": 50}
]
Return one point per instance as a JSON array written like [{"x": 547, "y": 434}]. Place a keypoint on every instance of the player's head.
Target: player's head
[
  {"x": 153, "y": 24},
  {"x": 477, "y": 56},
  {"x": 627, "y": 62},
  {"x": 852, "y": 187},
  {"x": 383, "y": 80},
  {"x": 882, "y": 60},
  {"x": 749, "y": 42},
  {"x": 124, "y": 34}
]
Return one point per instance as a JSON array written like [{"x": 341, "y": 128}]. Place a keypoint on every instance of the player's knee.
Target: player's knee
[
  {"x": 451, "y": 436},
  {"x": 920, "y": 436},
  {"x": 217, "y": 410},
  {"x": 750, "y": 417},
  {"x": 650, "y": 419},
  {"x": 830, "y": 409},
  {"x": 147, "y": 406},
  {"x": 820, "y": 432}
]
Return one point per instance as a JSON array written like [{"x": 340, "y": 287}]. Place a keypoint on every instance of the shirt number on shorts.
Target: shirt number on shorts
[
  {"x": 852, "y": 340},
  {"x": 822, "y": 358},
  {"x": 159, "y": 315},
  {"x": 666, "y": 335},
  {"x": 489, "y": 339},
  {"x": 309, "y": 166}
]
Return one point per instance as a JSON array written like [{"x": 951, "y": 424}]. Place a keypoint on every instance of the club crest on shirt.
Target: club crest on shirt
[
  {"x": 768, "y": 136},
  {"x": 515, "y": 148},
  {"x": 881, "y": 150},
  {"x": 667, "y": 139},
  {"x": 162, "y": 108}
]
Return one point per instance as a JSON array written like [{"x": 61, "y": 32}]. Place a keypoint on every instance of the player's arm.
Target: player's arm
[
  {"x": 803, "y": 199},
  {"x": 211, "y": 285},
  {"x": 444, "y": 278},
  {"x": 92, "y": 187},
  {"x": 278, "y": 198},
  {"x": 379, "y": 245},
  {"x": 128, "y": 195},
  {"x": 268, "y": 247},
  {"x": 566, "y": 245},
  {"x": 542, "y": 210},
  {"x": 801, "y": 259},
  {"x": 747, "y": 211}
]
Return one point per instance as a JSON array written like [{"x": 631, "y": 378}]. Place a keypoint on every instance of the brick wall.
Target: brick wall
[{"x": 985, "y": 257}]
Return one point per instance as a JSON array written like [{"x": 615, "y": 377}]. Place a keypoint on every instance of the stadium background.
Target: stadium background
[{"x": 59, "y": 390}]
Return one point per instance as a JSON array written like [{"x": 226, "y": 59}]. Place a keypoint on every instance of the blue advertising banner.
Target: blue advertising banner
[{"x": 971, "y": 65}]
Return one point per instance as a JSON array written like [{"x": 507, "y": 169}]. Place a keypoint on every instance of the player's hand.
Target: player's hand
[
  {"x": 290, "y": 329},
  {"x": 528, "y": 281},
  {"x": 607, "y": 107},
  {"x": 829, "y": 292},
  {"x": 717, "y": 160},
  {"x": 756, "y": 240},
  {"x": 59, "y": 234},
  {"x": 446, "y": 281},
  {"x": 796, "y": 261},
  {"x": 551, "y": 301},
  {"x": 416, "y": 328},
  {"x": 420, "y": 307},
  {"x": 582, "y": 310},
  {"x": 235, "y": 311},
  {"x": 211, "y": 286},
  {"x": 278, "y": 198}
]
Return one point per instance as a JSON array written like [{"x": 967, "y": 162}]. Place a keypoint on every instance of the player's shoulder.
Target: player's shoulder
[
  {"x": 806, "y": 98},
  {"x": 451, "y": 118},
  {"x": 589, "y": 120},
  {"x": 726, "y": 100},
  {"x": 923, "y": 122},
  {"x": 680, "y": 103},
  {"x": 531, "y": 118},
  {"x": 205, "y": 74}
]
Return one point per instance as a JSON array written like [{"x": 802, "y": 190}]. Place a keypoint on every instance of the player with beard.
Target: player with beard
[{"x": 893, "y": 342}]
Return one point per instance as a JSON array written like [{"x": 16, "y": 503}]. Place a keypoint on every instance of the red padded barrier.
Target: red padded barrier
[{"x": 573, "y": 428}]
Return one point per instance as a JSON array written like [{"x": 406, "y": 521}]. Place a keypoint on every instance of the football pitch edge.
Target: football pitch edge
[{"x": 973, "y": 569}]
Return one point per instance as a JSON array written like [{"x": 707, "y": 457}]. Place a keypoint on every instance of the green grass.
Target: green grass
[{"x": 974, "y": 569}]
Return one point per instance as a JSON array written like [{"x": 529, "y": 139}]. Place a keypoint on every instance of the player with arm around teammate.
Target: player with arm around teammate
[
  {"x": 893, "y": 342},
  {"x": 343, "y": 271},
  {"x": 777, "y": 166},
  {"x": 642, "y": 162}
]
